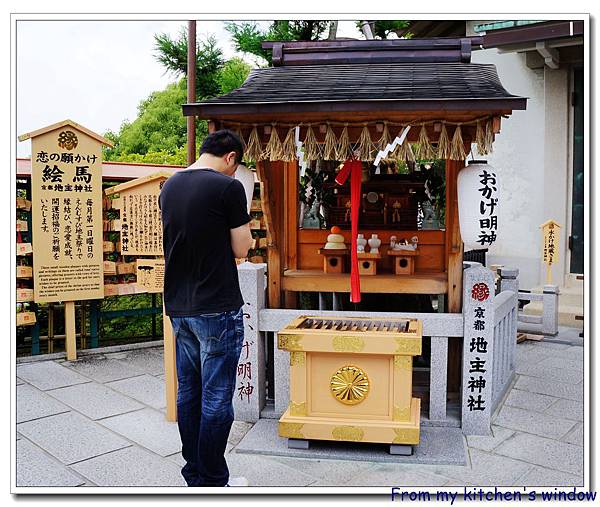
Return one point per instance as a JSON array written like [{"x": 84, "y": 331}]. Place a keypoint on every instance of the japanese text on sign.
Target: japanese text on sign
[
  {"x": 488, "y": 220},
  {"x": 67, "y": 216}
]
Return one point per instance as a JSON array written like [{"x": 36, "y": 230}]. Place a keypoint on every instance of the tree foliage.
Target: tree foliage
[
  {"x": 158, "y": 134},
  {"x": 172, "y": 54},
  {"x": 233, "y": 74},
  {"x": 247, "y": 36}
]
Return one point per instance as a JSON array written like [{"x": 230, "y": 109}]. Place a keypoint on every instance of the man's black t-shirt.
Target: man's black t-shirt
[{"x": 199, "y": 207}]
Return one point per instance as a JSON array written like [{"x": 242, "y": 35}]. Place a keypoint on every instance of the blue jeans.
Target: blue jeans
[{"x": 207, "y": 349}]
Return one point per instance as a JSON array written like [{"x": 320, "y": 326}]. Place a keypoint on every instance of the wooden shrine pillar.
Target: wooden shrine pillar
[
  {"x": 272, "y": 175},
  {"x": 454, "y": 254},
  {"x": 290, "y": 225}
]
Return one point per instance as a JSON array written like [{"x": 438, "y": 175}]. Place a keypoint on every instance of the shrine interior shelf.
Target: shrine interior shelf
[{"x": 309, "y": 280}]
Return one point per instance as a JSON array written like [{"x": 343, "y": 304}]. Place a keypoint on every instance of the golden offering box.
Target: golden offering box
[{"x": 351, "y": 380}]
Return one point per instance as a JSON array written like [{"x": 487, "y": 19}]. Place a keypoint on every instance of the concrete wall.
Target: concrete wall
[{"x": 531, "y": 155}]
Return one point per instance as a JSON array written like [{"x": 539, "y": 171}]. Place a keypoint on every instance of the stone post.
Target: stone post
[
  {"x": 249, "y": 397},
  {"x": 478, "y": 350},
  {"x": 509, "y": 279},
  {"x": 550, "y": 315}
]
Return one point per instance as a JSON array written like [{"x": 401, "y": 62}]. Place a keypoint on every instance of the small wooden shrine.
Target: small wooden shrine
[
  {"x": 387, "y": 102},
  {"x": 353, "y": 98}
]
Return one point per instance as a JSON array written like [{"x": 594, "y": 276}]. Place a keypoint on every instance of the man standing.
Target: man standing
[{"x": 205, "y": 227}]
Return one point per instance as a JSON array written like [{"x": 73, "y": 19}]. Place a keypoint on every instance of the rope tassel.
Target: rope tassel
[
  {"x": 289, "y": 147},
  {"x": 480, "y": 140},
  {"x": 254, "y": 151},
  {"x": 385, "y": 138},
  {"x": 489, "y": 137},
  {"x": 344, "y": 151},
  {"x": 457, "y": 150},
  {"x": 443, "y": 150},
  {"x": 424, "y": 149},
  {"x": 311, "y": 147},
  {"x": 365, "y": 146},
  {"x": 274, "y": 149},
  {"x": 404, "y": 152},
  {"x": 329, "y": 151}
]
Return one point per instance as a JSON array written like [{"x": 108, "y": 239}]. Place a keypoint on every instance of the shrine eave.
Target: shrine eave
[{"x": 364, "y": 88}]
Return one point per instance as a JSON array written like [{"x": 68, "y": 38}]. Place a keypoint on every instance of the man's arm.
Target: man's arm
[{"x": 241, "y": 240}]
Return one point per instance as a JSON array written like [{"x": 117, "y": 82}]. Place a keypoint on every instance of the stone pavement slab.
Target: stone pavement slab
[
  {"x": 567, "y": 409},
  {"x": 575, "y": 436},
  {"x": 562, "y": 363},
  {"x": 557, "y": 389},
  {"x": 35, "y": 404},
  {"x": 147, "y": 428},
  {"x": 19, "y": 381},
  {"x": 488, "y": 443},
  {"x": 71, "y": 437},
  {"x": 130, "y": 467},
  {"x": 144, "y": 388},
  {"x": 539, "y": 370},
  {"x": 486, "y": 469},
  {"x": 261, "y": 471},
  {"x": 145, "y": 360},
  {"x": 100, "y": 369},
  {"x": 533, "y": 422},
  {"x": 529, "y": 401},
  {"x": 47, "y": 375},
  {"x": 539, "y": 476},
  {"x": 544, "y": 452},
  {"x": 36, "y": 468},
  {"x": 438, "y": 445},
  {"x": 95, "y": 401},
  {"x": 238, "y": 430},
  {"x": 327, "y": 472},
  {"x": 389, "y": 475}
]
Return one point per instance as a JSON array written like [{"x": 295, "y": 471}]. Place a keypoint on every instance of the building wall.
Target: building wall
[{"x": 531, "y": 156}]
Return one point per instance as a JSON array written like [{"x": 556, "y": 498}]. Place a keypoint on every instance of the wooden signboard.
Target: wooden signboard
[
  {"x": 151, "y": 274},
  {"x": 66, "y": 189},
  {"x": 141, "y": 223},
  {"x": 551, "y": 233}
]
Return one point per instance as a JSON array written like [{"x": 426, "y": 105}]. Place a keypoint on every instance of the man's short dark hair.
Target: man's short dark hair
[{"x": 221, "y": 142}]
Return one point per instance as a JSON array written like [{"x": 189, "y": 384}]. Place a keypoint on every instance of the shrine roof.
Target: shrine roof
[{"x": 363, "y": 87}]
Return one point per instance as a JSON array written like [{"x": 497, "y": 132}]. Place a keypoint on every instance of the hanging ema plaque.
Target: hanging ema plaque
[{"x": 66, "y": 188}]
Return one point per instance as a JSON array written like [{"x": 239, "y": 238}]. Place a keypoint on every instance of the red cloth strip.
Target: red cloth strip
[{"x": 353, "y": 168}]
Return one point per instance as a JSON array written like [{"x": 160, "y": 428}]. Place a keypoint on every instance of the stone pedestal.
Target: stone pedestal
[{"x": 249, "y": 397}]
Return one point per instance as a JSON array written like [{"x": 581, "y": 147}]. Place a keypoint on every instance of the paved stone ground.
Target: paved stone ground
[{"x": 100, "y": 421}]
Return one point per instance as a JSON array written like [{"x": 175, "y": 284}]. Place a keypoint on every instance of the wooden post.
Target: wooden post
[
  {"x": 70, "y": 339},
  {"x": 191, "y": 92},
  {"x": 50, "y": 328},
  {"x": 271, "y": 176},
  {"x": 290, "y": 221},
  {"x": 170, "y": 368}
]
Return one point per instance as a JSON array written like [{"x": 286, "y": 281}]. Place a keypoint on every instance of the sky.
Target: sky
[{"x": 96, "y": 72}]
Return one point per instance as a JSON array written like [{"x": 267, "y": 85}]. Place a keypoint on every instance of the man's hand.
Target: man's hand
[{"x": 241, "y": 240}]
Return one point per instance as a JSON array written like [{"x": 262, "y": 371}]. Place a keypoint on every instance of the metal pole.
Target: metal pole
[{"x": 191, "y": 92}]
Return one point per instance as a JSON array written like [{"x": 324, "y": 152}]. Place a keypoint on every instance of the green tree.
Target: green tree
[
  {"x": 158, "y": 134},
  {"x": 233, "y": 74},
  {"x": 172, "y": 54},
  {"x": 247, "y": 36}
]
